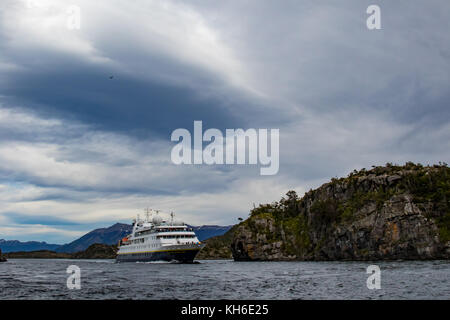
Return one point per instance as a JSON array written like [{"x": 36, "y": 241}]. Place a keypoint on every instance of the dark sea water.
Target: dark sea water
[{"x": 105, "y": 279}]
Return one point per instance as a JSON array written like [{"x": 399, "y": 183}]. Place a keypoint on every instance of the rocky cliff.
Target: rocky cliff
[{"x": 390, "y": 212}]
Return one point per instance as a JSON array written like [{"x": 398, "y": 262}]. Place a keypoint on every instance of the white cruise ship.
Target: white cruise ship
[{"x": 155, "y": 239}]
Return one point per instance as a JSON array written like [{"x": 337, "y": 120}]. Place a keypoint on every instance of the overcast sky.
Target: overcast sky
[{"x": 79, "y": 150}]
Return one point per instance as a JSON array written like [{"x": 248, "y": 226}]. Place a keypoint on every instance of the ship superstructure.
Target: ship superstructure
[{"x": 155, "y": 239}]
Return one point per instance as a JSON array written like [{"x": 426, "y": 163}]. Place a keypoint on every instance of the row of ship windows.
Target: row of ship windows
[
  {"x": 182, "y": 236},
  {"x": 144, "y": 247},
  {"x": 141, "y": 233},
  {"x": 147, "y": 246}
]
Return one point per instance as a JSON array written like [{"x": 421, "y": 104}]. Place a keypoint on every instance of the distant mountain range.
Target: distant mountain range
[
  {"x": 110, "y": 235},
  {"x": 14, "y": 245}
]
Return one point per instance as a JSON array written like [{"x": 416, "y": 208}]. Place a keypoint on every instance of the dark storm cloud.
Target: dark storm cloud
[
  {"x": 139, "y": 99},
  {"x": 121, "y": 104}
]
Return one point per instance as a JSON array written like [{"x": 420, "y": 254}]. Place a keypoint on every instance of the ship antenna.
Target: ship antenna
[
  {"x": 171, "y": 217},
  {"x": 147, "y": 211}
]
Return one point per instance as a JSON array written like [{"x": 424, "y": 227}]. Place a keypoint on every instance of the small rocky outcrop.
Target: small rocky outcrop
[
  {"x": 217, "y": 247},
  {"x": 2, "y": 258},
  {"x": 39, "y": 254},
  {"x": 391, "y": 212},
  {"x": 97, "y": 251}
]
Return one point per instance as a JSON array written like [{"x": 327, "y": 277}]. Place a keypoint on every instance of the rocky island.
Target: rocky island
[{"x": 386, "y": 213}]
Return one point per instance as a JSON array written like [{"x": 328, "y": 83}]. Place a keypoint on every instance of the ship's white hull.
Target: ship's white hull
[{"x": 183, "y": 253}]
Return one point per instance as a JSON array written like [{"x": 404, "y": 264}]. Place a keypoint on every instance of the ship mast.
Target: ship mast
[{"x": 147, "y": 213}]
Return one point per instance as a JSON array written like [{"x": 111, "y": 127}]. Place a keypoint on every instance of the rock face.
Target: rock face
[{"x": 392, "y": 212}]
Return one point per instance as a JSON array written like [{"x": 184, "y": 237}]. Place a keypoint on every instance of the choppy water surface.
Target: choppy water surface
[{"x": 105, "y": 279}]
